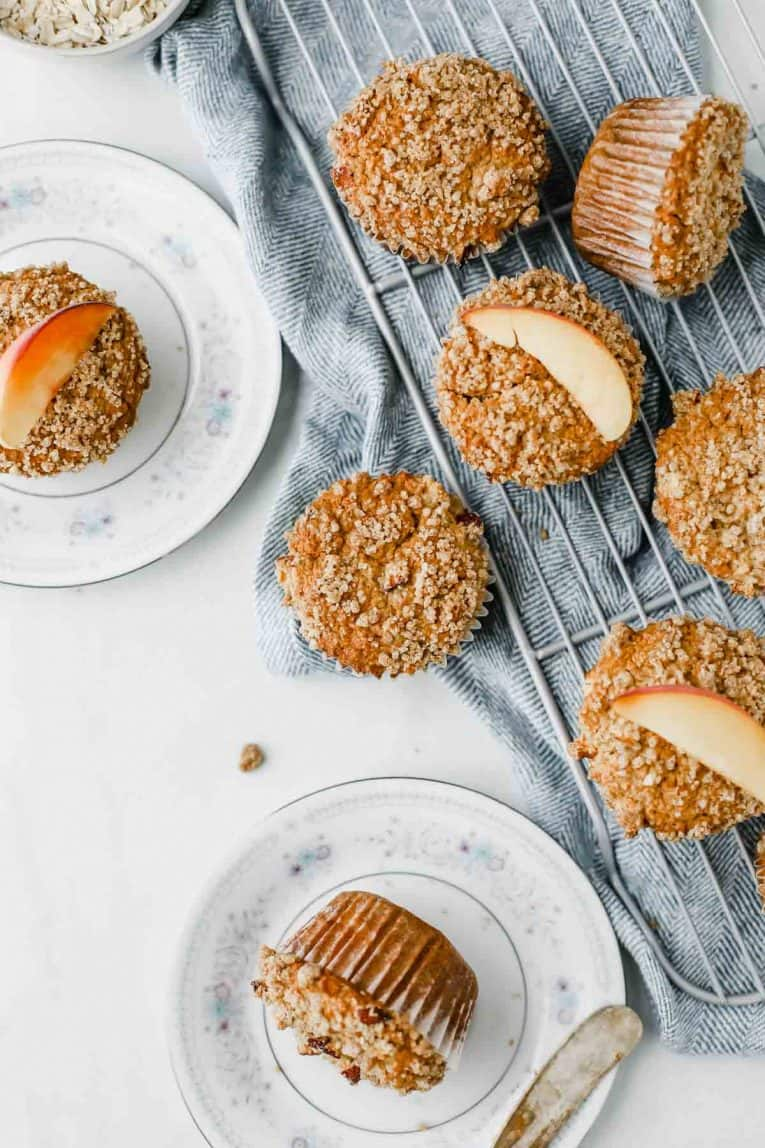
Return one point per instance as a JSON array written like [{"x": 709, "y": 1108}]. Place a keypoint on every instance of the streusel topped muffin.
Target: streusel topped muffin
[
  {"x": 510, "y": 417},
  {"x": 96, "y": 406},
  {"x": 710, "y": 479},
  {"x": 385, "y": 573},
  {"x": 647, "y": 781},
  {"x": 660, "y": 191},
  {"x": 439, "y": 158},
  {"x": 377, "y": 990}
]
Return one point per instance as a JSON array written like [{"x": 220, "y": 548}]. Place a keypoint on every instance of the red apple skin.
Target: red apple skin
[
  {"x": 38, "y": 363},
  {"x": 681, "y": 688}
]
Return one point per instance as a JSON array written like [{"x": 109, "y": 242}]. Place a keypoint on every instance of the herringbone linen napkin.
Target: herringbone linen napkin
[{"x": 361, "y": 418}]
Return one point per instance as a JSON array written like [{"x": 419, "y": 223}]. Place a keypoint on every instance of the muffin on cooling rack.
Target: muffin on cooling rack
[
  {"x": 670, "y": 713},
  {"x": 537, "y": 382},
  {"x": 386, "y": 573},
  {"x": 73, "y": 369},
  {"x": 660, "y": 191},
  {"x": 379, "y": 992},
  {"x": 710, "y": 479},
  {"x": 439, "y": 158}
]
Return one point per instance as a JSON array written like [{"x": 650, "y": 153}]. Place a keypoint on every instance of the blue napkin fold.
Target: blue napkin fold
[{"x": 361, "y": 418}]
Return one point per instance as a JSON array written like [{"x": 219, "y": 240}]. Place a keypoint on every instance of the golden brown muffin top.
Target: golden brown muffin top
[
  {"x": 440, "y": 157},
  {"x": 509, "y": 417},
  {"x": 385, "y": 573},
  {"x": 710, "y": 479},
  {"x": 645, "y": 780},
  {"x": 97, "y": 405}
]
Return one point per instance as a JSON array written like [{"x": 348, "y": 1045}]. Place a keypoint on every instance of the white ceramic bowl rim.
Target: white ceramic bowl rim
[{"x": 131, "y": 42}]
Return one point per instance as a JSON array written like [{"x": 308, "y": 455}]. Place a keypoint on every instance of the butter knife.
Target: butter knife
[{"x": 569, "y": 1077}]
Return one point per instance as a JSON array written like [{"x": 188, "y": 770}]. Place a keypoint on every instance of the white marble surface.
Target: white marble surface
[{"x": 124, "y": 708}]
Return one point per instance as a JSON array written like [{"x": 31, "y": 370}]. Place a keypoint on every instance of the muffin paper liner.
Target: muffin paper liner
[
  {"x": 621, "y": 182},
  {"x": 405, "y": 965}
]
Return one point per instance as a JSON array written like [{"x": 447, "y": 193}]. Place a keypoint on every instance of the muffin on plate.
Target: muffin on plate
[
  {"x": 386, "y": 573},
  {"x": 439, "y": 158},
  {"x": 660, "y": 191},
  {"x": 537, "y": 382},
  {"x": 710, "y": 479},
  {"x": 646, "y": 779},
  {"x": 379, "y": 992},
  {"x": 73, "y": 369}
]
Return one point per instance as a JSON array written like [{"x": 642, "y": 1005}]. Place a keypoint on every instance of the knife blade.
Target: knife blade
[{"x": 571, "y": 1074}]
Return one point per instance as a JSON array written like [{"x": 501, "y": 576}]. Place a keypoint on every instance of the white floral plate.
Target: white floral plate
[
  {"x": 518, "y": 908},
  {"x": 176, "y": 261}
]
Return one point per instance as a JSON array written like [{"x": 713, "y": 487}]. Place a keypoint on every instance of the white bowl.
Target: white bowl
[{"x": 127, "y": 45}]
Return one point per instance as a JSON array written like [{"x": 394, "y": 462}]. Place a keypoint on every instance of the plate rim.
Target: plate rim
[
  {"x": 275, "y": 334},
  {"x": 237, "y": 852}
]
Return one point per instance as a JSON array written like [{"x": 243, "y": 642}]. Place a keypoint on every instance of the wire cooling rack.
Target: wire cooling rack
[{"x": 410, "y": 278}]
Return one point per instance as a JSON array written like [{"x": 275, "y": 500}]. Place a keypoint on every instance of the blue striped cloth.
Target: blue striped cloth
[{"x": 360, "y": 417}]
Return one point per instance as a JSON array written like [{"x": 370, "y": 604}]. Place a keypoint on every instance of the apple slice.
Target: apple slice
[
  {"x": 706, "y": 725},
  {"x": 38, "y": 363},
  {"x": 575, "y": 358}
]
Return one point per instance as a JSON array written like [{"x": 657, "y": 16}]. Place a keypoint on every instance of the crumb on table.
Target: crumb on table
[{"x": 251, "y": 757}]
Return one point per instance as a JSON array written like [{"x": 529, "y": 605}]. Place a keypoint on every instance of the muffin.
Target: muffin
[
  {"x": 660, "y": 191},
  {"x": 439, "y": 158},
  {"x": 645, "y": 780},
  {"x": 710, "y": 479},
  {"x": 96, "y": 406},
  {"x": 379, "y": 992},
  {"x": 386, "y": 573},
  {"x": 509, "y": 416}
]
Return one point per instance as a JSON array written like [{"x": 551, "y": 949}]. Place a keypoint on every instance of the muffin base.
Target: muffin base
[{"x": 333, "y": 1019}]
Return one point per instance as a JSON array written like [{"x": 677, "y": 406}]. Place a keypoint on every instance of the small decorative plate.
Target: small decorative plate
[
  {"x": 176, "y": 261},
  {"x": 516, "y": 906}
]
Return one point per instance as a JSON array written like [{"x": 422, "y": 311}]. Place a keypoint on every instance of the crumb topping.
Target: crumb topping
[
  {"x": 385, "y": 573},
  {"x": 509, "y": 417},
  {"x": 710, "y": 479},
  {"x": 439, "y": 158},
  {"x": 660, "y": 190},
  {"x": 645, "y": 780},
  {"x": 97, "y": 405},
  {"x": 702, "y": 198},
  {"x": 334, "y": 1019}
]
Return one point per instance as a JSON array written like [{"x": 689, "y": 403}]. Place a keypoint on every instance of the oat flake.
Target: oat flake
[{"x": 77, "y": 23}]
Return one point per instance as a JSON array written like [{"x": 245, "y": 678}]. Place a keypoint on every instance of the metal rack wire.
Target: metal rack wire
[{"x": 410, "y": 279}]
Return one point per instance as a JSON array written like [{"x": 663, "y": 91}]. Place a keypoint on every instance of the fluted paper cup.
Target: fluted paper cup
[
  {"x": 405, "y": 965},
  {"x": 620, "y": 186}
]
